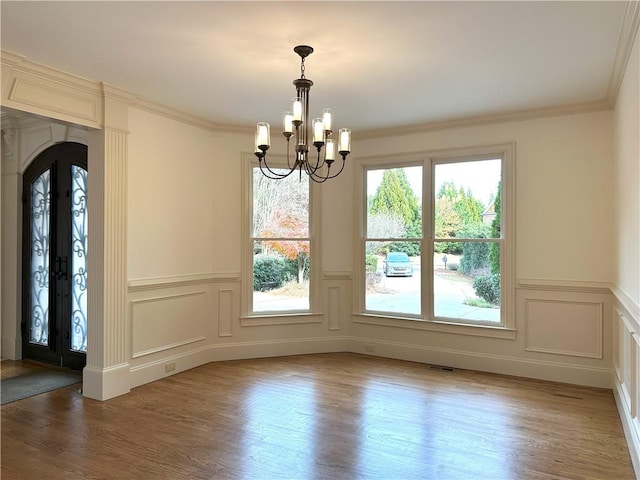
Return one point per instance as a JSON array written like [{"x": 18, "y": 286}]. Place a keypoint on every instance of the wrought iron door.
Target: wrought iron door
[{"x": 54, "y": 258}]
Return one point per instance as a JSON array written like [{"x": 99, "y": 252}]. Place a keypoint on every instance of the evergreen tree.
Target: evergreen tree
[
  {"x": 395, "y": 198},
  {"x": 496, "y": 224},
  {"x": 456, "y": 212}
]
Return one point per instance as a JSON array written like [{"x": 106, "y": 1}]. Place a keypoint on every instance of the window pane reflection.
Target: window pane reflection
[
  {"x": 467, "y": 199},
  {"x": 464, "y": 284},
  {"x": 281, "y": 270},
  {"x": 393, "y": 273}
]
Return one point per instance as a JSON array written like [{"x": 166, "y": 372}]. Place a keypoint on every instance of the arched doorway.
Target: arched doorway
[{"x": 54, "y": 257}]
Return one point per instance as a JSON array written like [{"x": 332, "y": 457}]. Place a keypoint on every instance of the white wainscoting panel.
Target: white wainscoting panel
[
  {"x": 625, "y": 359},
  {"x": 165, "y": 322},
  {"x": 564, "y": 327},
  {"x": 626, "y": 376},
  {"x": 635, "y": 381},
  {"x": 225, "y": 312},
  {"x": 334, "y": 308}
]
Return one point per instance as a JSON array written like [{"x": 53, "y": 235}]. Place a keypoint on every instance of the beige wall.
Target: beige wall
[
  {"x": 563, "y": 189},
  {"x": 184, "y": 198},
  {"x": 627, "y": 181}
]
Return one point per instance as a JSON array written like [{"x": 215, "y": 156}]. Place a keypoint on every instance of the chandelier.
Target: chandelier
[{"x": 296, "y": 125}]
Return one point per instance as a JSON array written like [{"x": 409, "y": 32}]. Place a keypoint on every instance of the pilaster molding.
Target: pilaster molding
[
  {"x": 108, "y": 332},
  {"x": 9, "y": 150},
  {"x": 116, "y": 108}
]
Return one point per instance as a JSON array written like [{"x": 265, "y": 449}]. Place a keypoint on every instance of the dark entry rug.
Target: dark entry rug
[{"x": 34, "y": 383}]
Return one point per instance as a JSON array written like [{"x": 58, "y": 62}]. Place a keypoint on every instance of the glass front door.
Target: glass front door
[{"x": 54, "y": 289}]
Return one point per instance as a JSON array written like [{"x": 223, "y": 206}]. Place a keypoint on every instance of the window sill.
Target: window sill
[
  {"x": 436, "y": 326},
  {"x": 281, "y": 318}
]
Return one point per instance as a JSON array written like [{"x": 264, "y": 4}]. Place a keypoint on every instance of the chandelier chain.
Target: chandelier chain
[{"x": 302, "y": 68}]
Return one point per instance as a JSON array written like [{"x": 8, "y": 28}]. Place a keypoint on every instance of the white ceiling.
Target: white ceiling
[{"x": 377, "y": 64}]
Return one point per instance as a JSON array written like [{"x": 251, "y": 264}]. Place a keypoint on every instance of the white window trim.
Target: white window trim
[
  {"x": 507, "y": 329},
  {"x": 247, "y": 316}
]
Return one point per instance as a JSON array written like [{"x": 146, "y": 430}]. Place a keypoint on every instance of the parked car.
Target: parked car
[{"x": 397, "y": 264}]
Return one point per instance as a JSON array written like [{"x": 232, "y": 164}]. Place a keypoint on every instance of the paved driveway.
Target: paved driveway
[{"x": 451, "y": 289}]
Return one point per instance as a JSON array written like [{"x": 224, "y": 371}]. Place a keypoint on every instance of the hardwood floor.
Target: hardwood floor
[{"x": 333, "y": 416}]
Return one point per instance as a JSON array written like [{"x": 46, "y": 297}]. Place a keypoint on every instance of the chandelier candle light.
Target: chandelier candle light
[{"x": 297, "y": 122}]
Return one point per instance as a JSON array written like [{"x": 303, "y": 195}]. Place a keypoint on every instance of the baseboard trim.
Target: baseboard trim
[
  {"x": 557, "y": 372},
  {"x": 630, "y": 432},
  {"x": 11, "y": 348},
  {"x": 105, "y": 383},
  {"x": 152, "y": 371},
  {"x": 514, "y": 366}
]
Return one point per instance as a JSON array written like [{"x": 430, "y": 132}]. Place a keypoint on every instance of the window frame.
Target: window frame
[
  {"x": 426, "y": 321},
  {"x": 248, "y": 316}
]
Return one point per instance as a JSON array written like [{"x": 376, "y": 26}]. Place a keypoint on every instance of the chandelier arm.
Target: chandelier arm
[
  {"x": 291, "y": 167},
  {"x": 339, "y": 171},
  {"x": 267, "y": 172},
  {"x": 274, "y": 175},
  {"x": 312, "y": 169},
  {"x": 313, "y": 173},
  {"x": 319, "y": 179}
]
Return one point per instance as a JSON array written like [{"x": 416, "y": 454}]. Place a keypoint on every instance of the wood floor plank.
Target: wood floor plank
[{"x": 330, "y": 416}]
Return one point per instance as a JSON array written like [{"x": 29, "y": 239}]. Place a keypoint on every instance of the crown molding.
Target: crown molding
[
  {"x": 173, "y": 114},
  {"x": 518, "y": 115},
  {"x": 20, "y": 63},
  {"x": 628, "y": 32}
]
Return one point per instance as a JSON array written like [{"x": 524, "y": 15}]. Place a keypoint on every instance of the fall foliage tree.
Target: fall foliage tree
[
  {"x": 285, "y": 225},
  {"x": 281, "y": 213}
]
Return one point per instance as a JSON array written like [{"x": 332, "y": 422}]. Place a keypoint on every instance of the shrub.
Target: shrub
[
  {"x": 475, "y": 255},
  {"x": 372, "y": 263},
  {"x": 475, "y": 258},
  {"x": 487, "y": 287},
  {"x": 453, "y": 266},
  {"x": 290, "y": 269},
  {"x": 373, "y": 278},
  {"x": 269, "y": 272}
]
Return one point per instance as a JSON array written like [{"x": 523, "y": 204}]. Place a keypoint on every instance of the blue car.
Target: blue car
[{"x": 398, "y": 264}]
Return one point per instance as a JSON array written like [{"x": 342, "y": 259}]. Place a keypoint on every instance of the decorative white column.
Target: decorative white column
[
  {"x": 107, "y": 372},
  {"x": 10, "y": 237}
]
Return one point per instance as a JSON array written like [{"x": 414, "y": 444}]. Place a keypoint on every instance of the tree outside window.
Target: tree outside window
[{"x": 281, "y": 243}]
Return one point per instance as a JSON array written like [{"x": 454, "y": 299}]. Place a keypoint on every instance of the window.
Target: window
[
  {"x": 466, "y": 240},
  {"x": 280, "y": 253},
  {"x": 436, "y": 244},
  {"x": 393, "y": 240}
]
